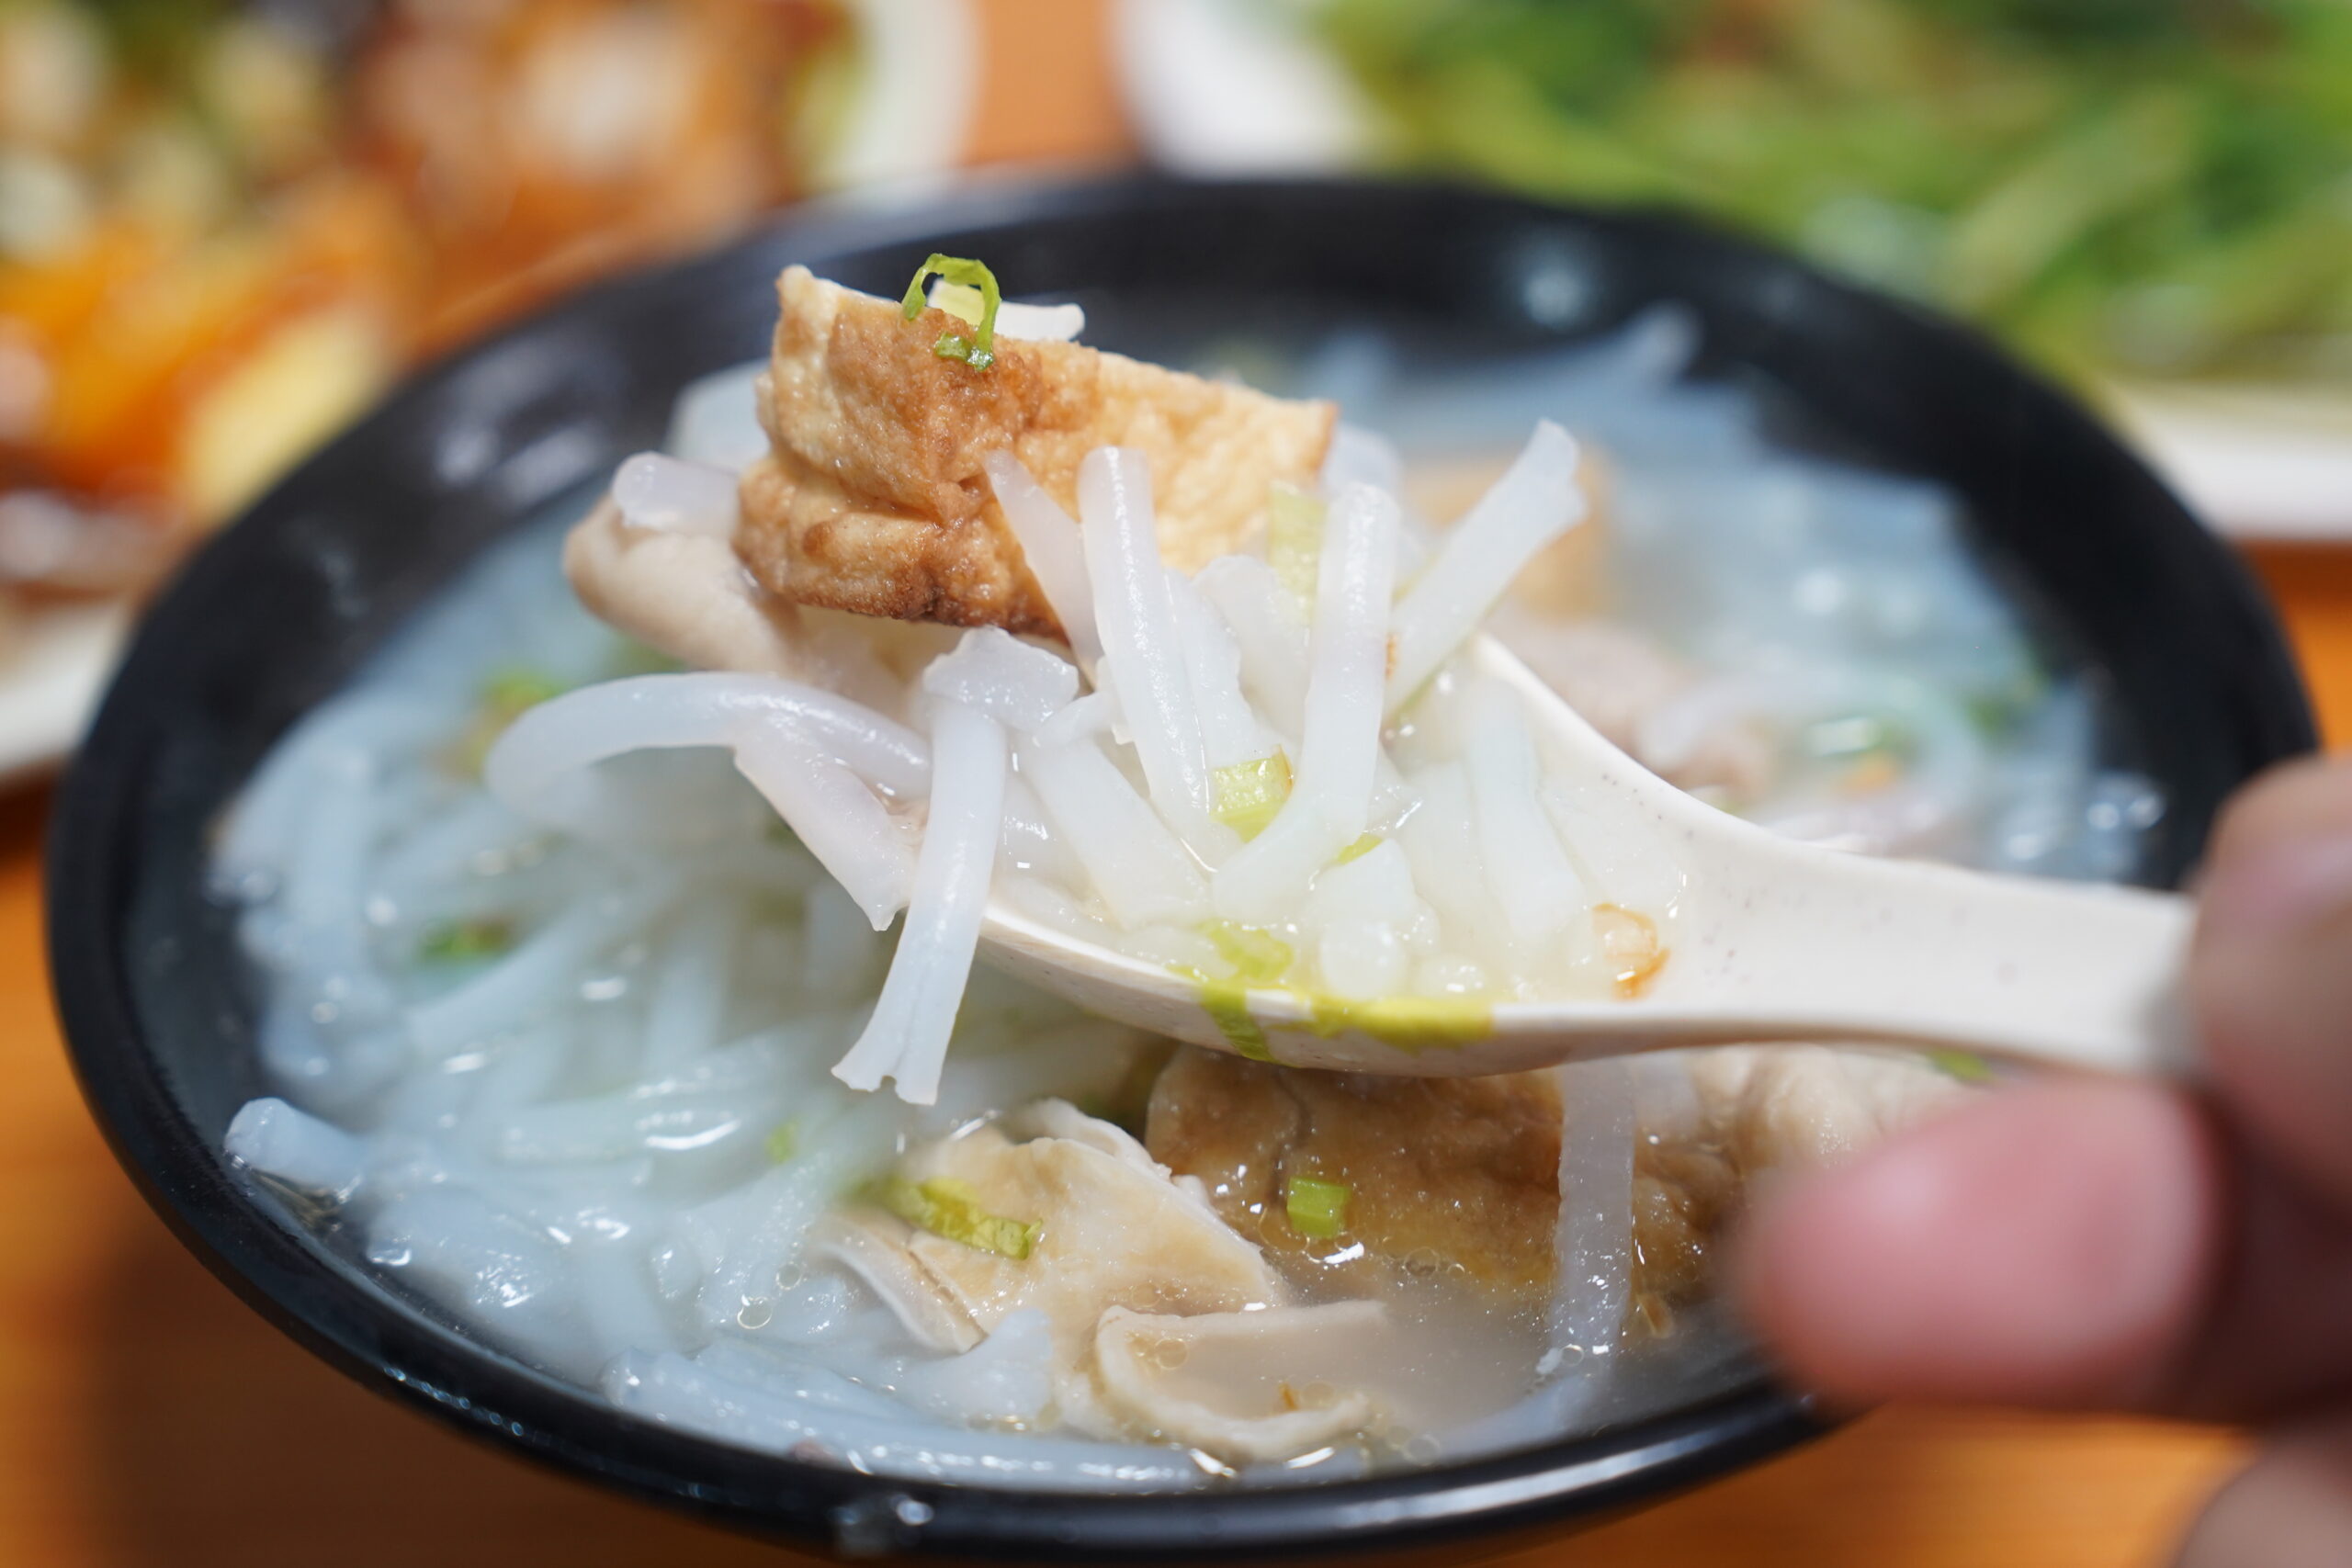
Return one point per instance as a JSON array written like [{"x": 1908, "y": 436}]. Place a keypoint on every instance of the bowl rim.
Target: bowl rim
[{"x": 473, "y": 1389}]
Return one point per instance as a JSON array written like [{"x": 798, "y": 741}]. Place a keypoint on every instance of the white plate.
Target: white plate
[
  {"x": 2263, "y": 464},
  {"x": 51, "y": 682}
]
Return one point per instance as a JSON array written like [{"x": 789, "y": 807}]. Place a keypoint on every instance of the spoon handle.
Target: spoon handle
[{"x": 1903, "y": 951}]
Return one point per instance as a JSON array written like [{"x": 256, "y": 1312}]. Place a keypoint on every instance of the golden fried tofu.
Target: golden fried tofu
[
  {"x": 1461, "y": 1174},
  {"x": 873, "y": 499},
  {"x": 1441, "y": 1173}
]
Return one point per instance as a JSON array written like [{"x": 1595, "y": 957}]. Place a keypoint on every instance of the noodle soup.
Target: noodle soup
[{"x": 555, "y": 1044}]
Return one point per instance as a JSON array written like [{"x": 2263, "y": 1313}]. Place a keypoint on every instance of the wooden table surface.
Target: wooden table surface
[{"x": 148, "y": 1419}]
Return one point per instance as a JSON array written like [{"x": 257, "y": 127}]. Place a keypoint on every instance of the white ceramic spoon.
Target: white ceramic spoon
[{"x": 1772, "y": 940}]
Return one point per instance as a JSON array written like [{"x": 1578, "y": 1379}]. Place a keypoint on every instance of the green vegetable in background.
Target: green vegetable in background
[{"x": 2160, "y": 187}]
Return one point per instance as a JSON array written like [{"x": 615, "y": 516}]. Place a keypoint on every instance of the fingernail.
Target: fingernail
[{"x": 2281, "y": 888}]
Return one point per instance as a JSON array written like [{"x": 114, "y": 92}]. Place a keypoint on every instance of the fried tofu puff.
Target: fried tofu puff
[
  {"x": 1462, "y": 1174},
  {"x": 873, "y": 499}
]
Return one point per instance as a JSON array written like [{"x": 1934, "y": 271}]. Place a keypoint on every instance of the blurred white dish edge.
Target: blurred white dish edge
[
  {"x": 52, "y": 680},
  {"x": 919, "y": 87}
]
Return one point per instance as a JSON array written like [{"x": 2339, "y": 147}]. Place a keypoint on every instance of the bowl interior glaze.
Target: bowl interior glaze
[{"x": 274, "y": 615}]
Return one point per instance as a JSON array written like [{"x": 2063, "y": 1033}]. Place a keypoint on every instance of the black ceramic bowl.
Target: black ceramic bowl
[{"x": 274, "y": 615}]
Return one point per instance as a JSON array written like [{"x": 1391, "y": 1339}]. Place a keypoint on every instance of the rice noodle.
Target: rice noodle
[
  {"x": 907, "y": 1037},
  {"x": 540, "y": 766},
  {"x": 664, "y": 495},
  {"x": 717, "y": 419},
  {"x": 1266, "y": 633},
  {"x": 1330, "y": 801},
  {"x": 677, "y": 1393},
  {"x": 1528, "y": 875},
  {"x": 686, "y": 1012},
  {"x": 1364, "y": 457},
  {"x": 1534, "y": 501},
  {"x": 1031, "y": 323},
  {"x": 1137, "y": 616},
  {"x": 527, "y": 979},
  {"x": 853, "y": 834},
  {"x": 1040, "y": 323},
  {"x": 1018, "y": 685},
  {"x": 1138, "y": 867},
  {"x": 1090, "y": 715},
  {"x": 1441, "y": 840},
  {"x": 297, "y": 1148},
  {"x": 1053, "y": 550},
  {"x": 1230, "y": 733},
  {"x": 257, "y": 840},
  {"x": 1594, "y": 1241}
]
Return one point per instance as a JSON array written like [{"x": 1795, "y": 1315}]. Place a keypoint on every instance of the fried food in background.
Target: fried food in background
[{"x": 222, "y": 232}]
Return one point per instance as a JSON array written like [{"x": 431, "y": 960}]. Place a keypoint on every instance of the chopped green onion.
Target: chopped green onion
[
  {"x": 1294, "y": 540},
  {"x": 464, "y": 941},
  {"x": 962, "y": 275},
  {"x": 1965, "y": 1065},
  {"x": 511, "y": 693},
  {"x": 1412, "y": 1024},
  {"x": 506, "y": 696},
  {"x": 1248, "y": 794},
  {"x": 1318, "y": 1208},
  {"x": 1259, "y": 957},
  {"x": 1360, "y": 849},
  {"x": 946, "y": 1207},
  {"x": 1227, "y": 1004},
  {"x": 783, "y": 1142}
]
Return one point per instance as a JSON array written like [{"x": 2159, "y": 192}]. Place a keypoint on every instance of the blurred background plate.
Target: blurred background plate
[{"x": 225, "y": 229}]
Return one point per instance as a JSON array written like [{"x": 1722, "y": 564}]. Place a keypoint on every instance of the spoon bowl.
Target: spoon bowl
[{"x": 1771, "y": 940}]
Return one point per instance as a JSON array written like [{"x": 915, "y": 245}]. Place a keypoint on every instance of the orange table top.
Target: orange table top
[{"x": 147, "y": 1418}]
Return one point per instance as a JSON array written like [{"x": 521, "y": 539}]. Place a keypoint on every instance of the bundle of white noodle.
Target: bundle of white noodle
[{"x": 1212, "y": 777}]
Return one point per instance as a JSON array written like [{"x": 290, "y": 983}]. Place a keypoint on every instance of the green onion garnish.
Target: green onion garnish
[
  {"x": 783, "y": 1142},
  {"x": 511, "y": 693},
  {"x": 1965, "y": 1065},
  {"x": 1259, "y": 957},
  {"x": 949, "y": 1208},
  {"x": 1248, "y": 794},
  {"x": 464, "y": 941},
  {"x": 962, "y": 275},
  {"x": 1294, "y": 540},
  {"x": 1227, "y": 1004},
  {"x": 506, "y": 696},
  {"x": 1318, "y": 1208}
]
